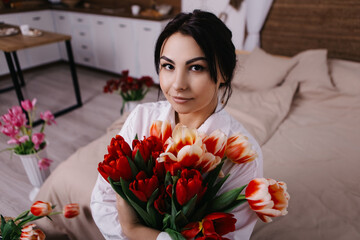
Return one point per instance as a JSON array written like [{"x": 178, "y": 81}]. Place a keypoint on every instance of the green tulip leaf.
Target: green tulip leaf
[
  {"x": 189, "y": 207},
  {"x": 199, "y": 213},
  {"x": 152, "y": 198},
  {"x": 212, "y": 191},
  {"x": 224, "y": 200},
  {"x": 213, "y": 175},
  {"x": 143, "y": 214},
  {"x": 174, "y": 234},
  {"x": 139, "y": 161},
  {"x": 168, "y": 179},
  {"x": 134, "y": 169},
  {"x": 22, "y": 215},
  {"x": 181, "y": 220},
  {"x": 3, "y": 222},
  {"x": 117, "y": 187},
  {"x": 233, "y": 205},
  {"x": 150, "y": 165},
  {"x": 166, "y": 221}
]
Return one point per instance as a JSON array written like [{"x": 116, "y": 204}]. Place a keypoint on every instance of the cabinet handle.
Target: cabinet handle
[
  {"x": 61, "y": 17},
  {"x": 84, "y": 47},
  {"x": 147, "y": 29},
  {"x": 36, "y": 18},
  {"x": 86, "y": 59},
  {"x": 100, "y": 22},
  {"x": 82, "y": 34},
  {"x": 79, "y": 19},
  {"x": 122, "y": 25}
]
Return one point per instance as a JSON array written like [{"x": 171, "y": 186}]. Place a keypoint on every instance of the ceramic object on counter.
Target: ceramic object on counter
[{"x": 135, "y": 10}]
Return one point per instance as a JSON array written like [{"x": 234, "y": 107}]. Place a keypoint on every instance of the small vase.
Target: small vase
[
  {"x": 36, "y": 175},
  {"x": 128, "y": 106}
]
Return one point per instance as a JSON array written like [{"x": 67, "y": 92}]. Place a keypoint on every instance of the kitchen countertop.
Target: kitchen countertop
[{"x": 118, "y": 12}]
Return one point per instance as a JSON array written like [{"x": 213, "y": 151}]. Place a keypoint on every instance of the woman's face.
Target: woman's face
[{"x": 185, "y": 78}]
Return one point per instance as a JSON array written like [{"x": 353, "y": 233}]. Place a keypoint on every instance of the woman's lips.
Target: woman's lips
[{"x": 181, "y": 99}]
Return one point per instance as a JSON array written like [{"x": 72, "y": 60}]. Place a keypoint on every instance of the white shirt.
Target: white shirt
[{"x": 103, "y": 199}]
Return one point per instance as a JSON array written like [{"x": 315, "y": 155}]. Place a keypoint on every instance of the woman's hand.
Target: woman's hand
[{"x": 130, "y": 223}]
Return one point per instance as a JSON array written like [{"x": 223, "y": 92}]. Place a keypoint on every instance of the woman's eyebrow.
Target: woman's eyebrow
[
  {"x": 167, "y": 59},
  {"x": 195, "y": 59}
]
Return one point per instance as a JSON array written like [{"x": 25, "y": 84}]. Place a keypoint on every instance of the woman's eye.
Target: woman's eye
[
  {"x": 197, "y": 68},
  {"x": 167, "y": 66}
]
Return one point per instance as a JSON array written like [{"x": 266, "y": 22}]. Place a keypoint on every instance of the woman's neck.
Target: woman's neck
[{"x": 193, "y": 120}]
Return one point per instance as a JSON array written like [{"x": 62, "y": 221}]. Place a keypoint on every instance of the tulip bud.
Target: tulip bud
[
  {"x": 40, "y": 208},
  {"x": 71, "y": 210}
]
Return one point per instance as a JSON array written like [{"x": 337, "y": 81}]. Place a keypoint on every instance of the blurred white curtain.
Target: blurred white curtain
[{"x": 256, "y": 12}]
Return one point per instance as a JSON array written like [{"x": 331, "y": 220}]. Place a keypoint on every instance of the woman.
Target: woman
[{"x": 195, "y": 59}]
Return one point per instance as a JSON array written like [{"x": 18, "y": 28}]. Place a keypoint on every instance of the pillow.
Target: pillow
[
  {"x": 311, "y": 72},
  {"x": 261, "y": 112},
  {"x": 345, "y": 75},
  {"x": 260, "y": 70}
]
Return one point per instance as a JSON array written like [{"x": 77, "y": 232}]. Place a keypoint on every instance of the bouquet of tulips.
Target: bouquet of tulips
[
  {"x": 19, "y": 227},
  {"x": 21, "y": 133},
  {"x": 129, "y": 88},
  {"x": 172, "y": 179}
]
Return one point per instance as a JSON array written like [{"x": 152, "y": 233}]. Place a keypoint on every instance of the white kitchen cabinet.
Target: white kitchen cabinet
[
  {"x": 12, "y": 18},
  {"x": 82, "y": 39},
  {"x": 40, "y": 20},
  {"x": 147, "y": 33},
  {"x": 123, "y": 36},
  {"x": 62, "y": 23},
  {"x": 103, "y": 42}
]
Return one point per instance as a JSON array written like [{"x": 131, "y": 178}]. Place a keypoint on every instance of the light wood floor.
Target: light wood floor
[{"x": 53, "y": 89}]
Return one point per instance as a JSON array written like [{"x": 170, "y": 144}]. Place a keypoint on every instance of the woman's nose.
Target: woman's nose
[{"x": 181, "y": 81}]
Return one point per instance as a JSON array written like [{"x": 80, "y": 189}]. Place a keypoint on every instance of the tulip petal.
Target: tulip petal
[{"x": 189, "y": 155}]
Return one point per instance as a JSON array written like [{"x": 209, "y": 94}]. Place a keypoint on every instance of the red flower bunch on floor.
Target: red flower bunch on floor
[
  {"x": 129, "y": 88},
  {"x": 171, "y": 179},
  {"x": 19, "y": 227}
]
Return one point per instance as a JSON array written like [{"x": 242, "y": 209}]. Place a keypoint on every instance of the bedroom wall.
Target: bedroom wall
[
  {"x": 293, "y": 26},
  {"x": 235, "y": 18}
]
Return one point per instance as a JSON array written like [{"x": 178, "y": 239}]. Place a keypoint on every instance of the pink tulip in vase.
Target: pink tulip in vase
[{"x": 28, "y": 145}]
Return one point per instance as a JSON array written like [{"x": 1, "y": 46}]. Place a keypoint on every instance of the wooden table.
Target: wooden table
[{"x": 10, "y": 44}]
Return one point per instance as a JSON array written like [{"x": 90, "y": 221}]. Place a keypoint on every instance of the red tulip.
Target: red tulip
[
  {"x": 189, "y": 185},
  {"x": 213, "y": 226},
  {"x": 191, "y": 230},
  {"x": 118, "y": 147},
  {"x": 218, "y": 223},
  {"x": 268, "y": 198},
  {"x": 71, "y": 210},
  {"x": 159, "y": 203},
  {"x": 143, "y": 187},
  {"x": 115, "y": 168},
  {"x": 29, "y": 233},
  {"x": 239, "y": 149},
  {"x": 146, "y": 147},
  {"x": 40, "y": 208}
]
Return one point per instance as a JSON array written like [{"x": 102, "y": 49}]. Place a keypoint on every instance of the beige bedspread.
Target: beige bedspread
[{"x": 308, "y": 123}]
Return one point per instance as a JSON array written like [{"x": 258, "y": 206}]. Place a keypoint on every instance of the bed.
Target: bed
[{"x": 304, "y": 110}]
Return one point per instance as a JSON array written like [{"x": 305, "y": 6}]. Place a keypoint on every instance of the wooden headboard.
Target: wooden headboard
[{"x": 296, "y": 25}]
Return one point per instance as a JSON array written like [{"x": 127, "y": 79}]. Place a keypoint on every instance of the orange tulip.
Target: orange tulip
[
  {"x": 29, "y": 233},
  {"x": 71, "y": 210},
  {"x": 268, "y": 198},
  {"x": 239, "y": 149},
  {"x": 183, "y": 136},
  {"x": 40, "y": 208},
  {"x": 161, "y": 130},
  {"x": 215, "y": 143}
]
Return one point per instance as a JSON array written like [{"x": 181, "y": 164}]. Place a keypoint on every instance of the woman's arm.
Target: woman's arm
[{"x": 130, "y": 224}]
